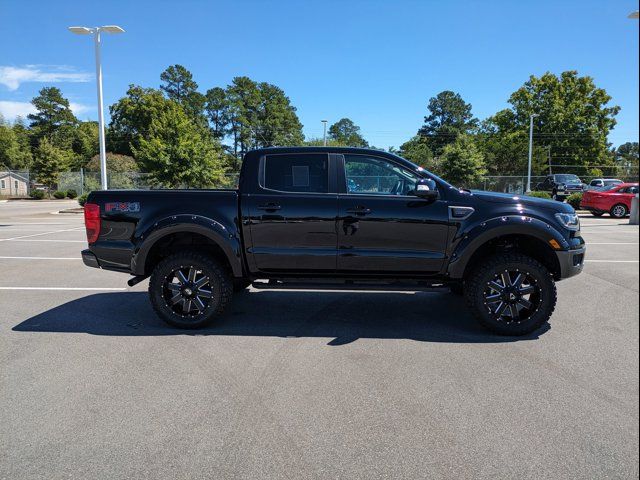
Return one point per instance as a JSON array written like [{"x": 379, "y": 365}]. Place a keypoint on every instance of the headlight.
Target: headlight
[{"x": 570, "y": 221}]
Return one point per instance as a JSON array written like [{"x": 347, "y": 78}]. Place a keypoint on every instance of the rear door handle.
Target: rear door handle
[
  {"x": 269, "y": 206},
  {"x": 359, "y": 211}
]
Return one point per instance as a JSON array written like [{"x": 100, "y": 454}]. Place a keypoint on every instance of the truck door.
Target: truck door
[
  {"x": 382, "y": 228},
  {"x": 293, "y": 214}
]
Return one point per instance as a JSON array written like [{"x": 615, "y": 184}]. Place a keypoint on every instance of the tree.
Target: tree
[
  {"x": 14, "y": 146},
  {"x": 573, "y": 118},
  {"x": 115, "y": 163},
  {"x": 53, "y": 118},
  {"x": 260, "y": 115},
  {"x": 180, "y": 87},
  {"x": 347, "y": 133},
  {"x": 176, "y": 151},
  {"x": 85, "y": 144},
  {"x": 449, "y": 116},
  {"x": 461, "y": 162},
  {"x": 217, "y": 109},
  {"x": 417, "y": 151},
  {"x": 131, "y": 118},
  {"x": 48, "y": 162},
  {"x": 627, "y": 158}
]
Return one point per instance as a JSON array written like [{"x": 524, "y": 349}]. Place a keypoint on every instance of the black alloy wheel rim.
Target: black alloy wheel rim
[
  {"x": 187, "y": 291},
  {"x": 512, "y": 296}
]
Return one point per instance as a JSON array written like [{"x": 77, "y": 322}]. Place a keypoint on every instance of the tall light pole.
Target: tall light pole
[
  {"x": 531, "y": 117},
  {"x": 96, "y": 40},
  {"x": 324, "y": 135}
]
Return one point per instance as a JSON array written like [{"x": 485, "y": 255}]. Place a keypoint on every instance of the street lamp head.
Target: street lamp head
[
  {"x": 81, "y": 30},
  {"x": 112, "y": 29},
  {"x": 634, "y": 15}
]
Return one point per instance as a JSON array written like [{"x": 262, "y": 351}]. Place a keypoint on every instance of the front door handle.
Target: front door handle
[
  {"x": 269, "y": 206},
  {"x": 359, "y": 211}
]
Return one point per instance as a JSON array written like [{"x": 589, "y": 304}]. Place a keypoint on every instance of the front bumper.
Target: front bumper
[
  {"x": 89, "y": 259},
  {"x": 571, "y": 262}
]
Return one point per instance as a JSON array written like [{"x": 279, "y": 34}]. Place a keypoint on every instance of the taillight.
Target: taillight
[{"x": 92, "y": 221}]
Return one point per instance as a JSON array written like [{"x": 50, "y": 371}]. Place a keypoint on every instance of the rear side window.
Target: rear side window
[{"x": 303, "y": 173}]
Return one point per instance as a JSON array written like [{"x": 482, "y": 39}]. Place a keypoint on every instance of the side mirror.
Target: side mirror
[{"x": 426, "y": 188}]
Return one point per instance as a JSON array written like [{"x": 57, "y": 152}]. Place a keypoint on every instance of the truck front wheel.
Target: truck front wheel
[
  {"x": 511, "y": 294},
  {"x": 189, "y": 289}
]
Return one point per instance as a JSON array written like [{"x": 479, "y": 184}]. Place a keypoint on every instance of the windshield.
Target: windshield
[{"x": 567, "y": 178}]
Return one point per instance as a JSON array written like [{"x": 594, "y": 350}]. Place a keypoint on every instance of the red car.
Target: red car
[{"x": 615, "y": 199}]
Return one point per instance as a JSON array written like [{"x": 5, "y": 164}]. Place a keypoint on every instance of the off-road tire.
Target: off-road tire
[
  {"x": 478, "y": 279},
  {"x": 221, "y": 288}
]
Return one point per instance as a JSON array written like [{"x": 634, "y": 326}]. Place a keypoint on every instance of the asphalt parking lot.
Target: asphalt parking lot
[{"x": 307, "y": 384}]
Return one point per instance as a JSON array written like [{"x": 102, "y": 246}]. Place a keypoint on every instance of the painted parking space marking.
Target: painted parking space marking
[
  {"x": 40, "y": 234},
  {"x": 71, "y": 289},
  {"x": 40, "y": 258},
  {"x": 44, "y": 240}
]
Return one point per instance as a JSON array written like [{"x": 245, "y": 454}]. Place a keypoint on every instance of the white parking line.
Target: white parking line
[
  {"x": 74, "y": 289},
  {"x": 39, "y": 234},
  {"x": 45, "y": 240},
  {"x": 612, "y": 261},
  {"x": 612, "y": 243},
  {"x": 41, "y": 258}
]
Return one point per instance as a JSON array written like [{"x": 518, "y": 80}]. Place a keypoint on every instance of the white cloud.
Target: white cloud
[
  {"x": 12, "y": 77},
  {"x": 11, "y": 110}
]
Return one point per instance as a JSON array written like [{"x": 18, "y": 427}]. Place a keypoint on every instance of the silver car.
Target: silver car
[{"x": 598, "y": 183}]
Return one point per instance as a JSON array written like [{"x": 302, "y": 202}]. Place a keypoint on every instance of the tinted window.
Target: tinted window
[
  {"x": 567, "y": 178},
  {"x": 596, "y": 183},
  {"x": 377, "y": 176},
  {"x": 297, "y": 173}
]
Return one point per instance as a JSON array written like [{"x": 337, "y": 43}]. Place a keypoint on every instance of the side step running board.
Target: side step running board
[{"x": 349, "y": 285}]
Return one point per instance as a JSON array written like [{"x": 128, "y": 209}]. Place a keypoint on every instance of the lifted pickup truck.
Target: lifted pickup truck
[{"x": 337, "y": 218}]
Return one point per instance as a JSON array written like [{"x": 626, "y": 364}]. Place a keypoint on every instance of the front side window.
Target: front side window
[
  {"x": 302, "y": 173},
  {"x": 377, "y": 176}
]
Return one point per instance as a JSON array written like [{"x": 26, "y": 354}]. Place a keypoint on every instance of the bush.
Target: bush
[
  {"x": 574, "y": 200},
  {"x": 37, "y": 194},
  {"x": 72, "y": 193},
  {"x": 539, "y": 195},
  {"x": 82, "y": 199},
  {"x": 59, "y": 194}
]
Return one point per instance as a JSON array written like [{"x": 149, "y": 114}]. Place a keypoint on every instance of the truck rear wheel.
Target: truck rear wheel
[
  {"x": 189, "y": 289},
  {"x": 511, "y": 294}
]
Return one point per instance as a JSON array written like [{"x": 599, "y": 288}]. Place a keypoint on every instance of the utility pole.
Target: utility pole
[
  {"x": 531, "y": 117},
  {"x": 324, "y": 135},
  {"x": 96, "y": 39}
]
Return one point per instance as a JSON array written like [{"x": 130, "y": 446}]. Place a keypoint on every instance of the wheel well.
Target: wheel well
[
  {"x": 525, "y": 244},
  {"x": 179, "y": 242}
]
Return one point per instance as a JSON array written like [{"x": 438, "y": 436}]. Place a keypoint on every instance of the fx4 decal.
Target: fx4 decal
[{"x": 130, "y": 207}]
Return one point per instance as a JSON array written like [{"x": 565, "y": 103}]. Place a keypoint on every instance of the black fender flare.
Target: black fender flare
[
  {"x": 469, "y": 241},
  {"x": 228, "y": 241}
]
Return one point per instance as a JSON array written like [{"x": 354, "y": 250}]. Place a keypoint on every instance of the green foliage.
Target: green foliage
[
  {"x": 218, "y": 112},
  {"x": 53, "y": 118},
  {"x": 178, "y": 152},
  {"x": 461, "y": 162},
  {"x": 574, "y": 118},
  {"x": 449, "y": 116},
  {"x": 71, "y": 193},
  {"x": 37, "y": 194},
  {"x": 417, "y": 151},
  {"x": 545, "y": 195},
  {"x": 347, "y": 133},
  {"x": 82, "y": 199},
  {"x": 15, "y": 150},
  {"x": 85, "y": 144},
  {"x": 180, "y": 87},
  {"x": 574, "y": 200},
  {"x": 48, "y": 162},
  {"x": 115, "y": 163},
  {"x": 59, "y": 194}
]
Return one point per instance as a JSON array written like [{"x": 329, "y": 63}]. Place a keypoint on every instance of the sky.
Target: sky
[{"x": 376, "y": 62}]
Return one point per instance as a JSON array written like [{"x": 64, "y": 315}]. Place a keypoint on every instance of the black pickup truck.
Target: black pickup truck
[
  {"x": 560, "y": 186},
  {"x": 337, "y": 218}
]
